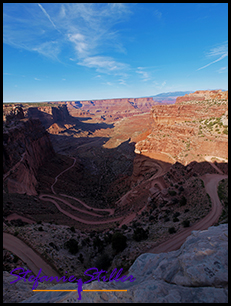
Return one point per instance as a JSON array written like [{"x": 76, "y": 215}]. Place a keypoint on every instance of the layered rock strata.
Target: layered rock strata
[{"x": 26, "y": 145}]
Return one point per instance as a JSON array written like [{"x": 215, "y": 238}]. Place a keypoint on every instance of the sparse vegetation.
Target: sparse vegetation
[
  {"x": 72, "y": 246},
  {"x": 186, "y": 223},
  {"x": 119, "y": 242},
  {"x": 140, "y": 234},
  {"x": 171, "y": 192},
  {"x": 171, "y": 230}
]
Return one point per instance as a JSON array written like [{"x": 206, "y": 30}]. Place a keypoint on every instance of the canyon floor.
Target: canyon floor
[{"x": 108, "y": 175}]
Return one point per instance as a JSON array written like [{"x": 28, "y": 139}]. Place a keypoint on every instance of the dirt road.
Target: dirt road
[
  {"x": 29, "y": 256},
  {"x": 176, "y": 240},
  {"x": 35, "y": 262}
]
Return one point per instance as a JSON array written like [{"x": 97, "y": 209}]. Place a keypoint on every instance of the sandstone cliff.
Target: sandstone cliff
[
  {"x": 196, "y": 273},
  {"x": 112, "y": 108},
  {"x": 49, "y": 115},
  {"x": 202, "y": 95},
  {"x": 195, "y": 126},
  {"x": 26, "y": 145}
]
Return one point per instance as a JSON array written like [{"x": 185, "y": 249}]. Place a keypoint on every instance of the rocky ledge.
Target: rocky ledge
[{"x": 196, "y": 273}]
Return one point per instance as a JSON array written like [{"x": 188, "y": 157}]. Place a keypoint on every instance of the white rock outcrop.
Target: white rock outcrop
[{"x": 197, "y": 272}]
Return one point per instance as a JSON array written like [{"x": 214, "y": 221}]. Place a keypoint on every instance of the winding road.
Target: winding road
[
  {"x": 52, "y": 199},
  {"x": 35, "y": 262},
  {"x": 211, "y": 182}
]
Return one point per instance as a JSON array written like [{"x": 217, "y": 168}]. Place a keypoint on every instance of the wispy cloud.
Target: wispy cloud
[
  {"x": 222, "y": 70},
  {"x": 48, "y": 16},
  {"x": 104, "y": 64},
  {"x": 144, "y": 74},
  {"x": 221, "y": 51},
  {"x": 157, "y": 14},
  {"x": 81, "y": 32}
]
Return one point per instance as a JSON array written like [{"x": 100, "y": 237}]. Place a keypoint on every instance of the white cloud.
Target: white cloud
[
  {"x": 145, "y": 76},
  {"x": 222, "y": 70},
  {"x": 221, "y": 51},
  {"x": 48, "y": 16},
  {"x": 104, "y": 64},
  {"x": 157, "y": 14},
  {"x": 51, "y": 29}
]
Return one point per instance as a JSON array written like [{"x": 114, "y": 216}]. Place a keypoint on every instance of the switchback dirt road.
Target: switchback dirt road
[
  {"x": 211, "y": 182},
  {"x": 35, "y": 262}
]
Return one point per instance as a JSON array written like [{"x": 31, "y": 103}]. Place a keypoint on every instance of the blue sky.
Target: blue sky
[{"x": 80, "y": 51}]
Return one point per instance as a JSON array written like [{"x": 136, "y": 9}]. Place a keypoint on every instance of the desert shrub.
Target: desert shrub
[
  {"x": 54, "y": 246},
  {"x": 119, "y": 242},
  {"x": 72, "y": 229},
  {"x": 108, "y": 238},
  {"x": 183, "y": 201},
  {"x": 171, "y": 230},
  {"x": 124, "y": 227},
  {"x": 186, "y": 223},
  {"x": 176, "y": 214},
  {"x": 72, "y": 246},
  {"x": 40, "y": 229},
  {"x": 175, "y": 219},
  {"x": 15, "y": 259},
  {"x": 151, "y": 218},
  {"x": 166, "y": 219},
  {"x": 80, "y": 258},
  {"x": 171, "y": 192},
  {"x": 85, "y": 241},
  {"x": 98, "y": 243},
  {"x": 103, "y": 262},
  {"x": 140, "y": 234}
]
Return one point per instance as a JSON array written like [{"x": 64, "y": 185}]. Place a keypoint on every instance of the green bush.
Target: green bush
[{"x": 119, "y": 242}]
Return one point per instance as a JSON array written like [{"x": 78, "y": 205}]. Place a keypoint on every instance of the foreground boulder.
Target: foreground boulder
[{"x": 196, "y": 273}]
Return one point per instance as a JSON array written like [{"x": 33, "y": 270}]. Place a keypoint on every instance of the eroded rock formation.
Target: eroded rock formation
[
  {"x": 26, "y": 145},
  {"x": 195, "y": 126}
]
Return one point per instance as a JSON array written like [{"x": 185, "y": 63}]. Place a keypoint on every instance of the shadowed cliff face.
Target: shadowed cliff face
[{"x": 26, "y": 145}]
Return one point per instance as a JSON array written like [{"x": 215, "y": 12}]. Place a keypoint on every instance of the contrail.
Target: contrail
[
  {"x": 48, "y": 16},
  {"x": 219, "y": 59}
]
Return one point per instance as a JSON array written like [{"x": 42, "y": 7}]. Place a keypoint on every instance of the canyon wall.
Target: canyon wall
[
  {"x": 49, "y": 114},
  {"x": 26, "y": 145},
  {"x": 202, "y": 95},
  {"x": 196, "y": 125},
  {"x": 111, "y": 107}
]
